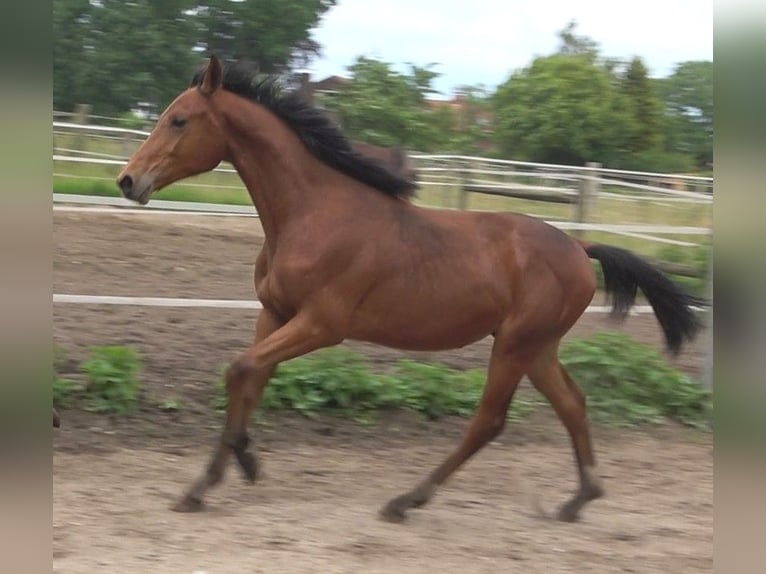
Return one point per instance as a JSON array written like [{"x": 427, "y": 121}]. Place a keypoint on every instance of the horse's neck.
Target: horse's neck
[{"x": 274, "y": 167}]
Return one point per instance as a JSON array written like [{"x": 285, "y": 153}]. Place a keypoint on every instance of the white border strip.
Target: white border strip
[
  {"x": 236, "y": 304},
  {"x": 154, "y": 205},
  {"x": 155, "y": 301}
]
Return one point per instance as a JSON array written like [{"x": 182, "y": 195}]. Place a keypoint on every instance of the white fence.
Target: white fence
[{"x": 454, "y": 181}]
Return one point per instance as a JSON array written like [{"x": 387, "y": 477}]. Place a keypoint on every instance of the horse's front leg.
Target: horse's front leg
[{"x": 246, "y": 379}]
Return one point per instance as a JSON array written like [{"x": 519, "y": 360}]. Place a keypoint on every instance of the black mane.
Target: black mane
[{"x": 316, "y": 130}]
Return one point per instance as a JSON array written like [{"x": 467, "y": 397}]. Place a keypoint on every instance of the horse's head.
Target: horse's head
[{"x": 187, "y": 140}]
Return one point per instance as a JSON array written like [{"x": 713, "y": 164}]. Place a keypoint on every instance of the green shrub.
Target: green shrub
[
  {"x": 112, "y": 374},
  {"x": 64, "y": 390},
  {"x": 341, "y": 382},
  {"x": 630, "y": 383},
  {"x": 627, "y": 383}
]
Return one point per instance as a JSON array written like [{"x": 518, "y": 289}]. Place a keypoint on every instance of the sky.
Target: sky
[{"x": 484, "y": 41}]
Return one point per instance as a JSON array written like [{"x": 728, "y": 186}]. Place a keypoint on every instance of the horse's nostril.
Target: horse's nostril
[{"x": 126, "y": 184}]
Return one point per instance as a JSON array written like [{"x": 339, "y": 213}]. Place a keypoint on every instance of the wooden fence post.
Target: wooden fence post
[
  {"x": 589, "y": 188},
  {"x": 462, "y": 199},
  {"x": 81, "y": 113}
]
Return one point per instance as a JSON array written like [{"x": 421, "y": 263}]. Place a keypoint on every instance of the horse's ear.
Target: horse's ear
[{"x": 211, "y": 81}]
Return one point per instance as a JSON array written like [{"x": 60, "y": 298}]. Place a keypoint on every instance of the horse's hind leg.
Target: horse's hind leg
[
  {"x": 244, "y": 389},
  {"x": 566, "y": 398},
  {"x": 506, "y": 367}
]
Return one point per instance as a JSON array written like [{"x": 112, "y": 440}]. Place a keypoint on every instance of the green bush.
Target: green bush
[
  {"x": 659, "y": 160},
  {"x": 629, "y": 383},
  {"x": 64, "y": 390},
  {"x": 341, "y": 382},
  {"x": 112, "y": 374}
]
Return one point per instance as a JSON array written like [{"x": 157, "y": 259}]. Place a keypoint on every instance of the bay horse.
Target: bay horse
[{"x": 349, "y": 256}]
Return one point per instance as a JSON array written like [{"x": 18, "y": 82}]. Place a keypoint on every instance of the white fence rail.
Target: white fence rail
[
  {"x": 174, "y": 302},
  {"x": 449, "y": 178},
  {"x": 457, "y": 166}
]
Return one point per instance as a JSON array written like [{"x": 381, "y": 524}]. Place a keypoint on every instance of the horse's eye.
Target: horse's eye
[{"x": 178, "y": 122}]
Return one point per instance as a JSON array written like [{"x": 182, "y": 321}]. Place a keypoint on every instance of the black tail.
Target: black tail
[{"x": 625, "y": 273}]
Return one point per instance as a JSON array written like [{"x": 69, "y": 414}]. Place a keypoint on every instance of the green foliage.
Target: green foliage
[
  {"x": 688, "y": 98},
  {"x": 112, "y": 374},
  {"x": 572, "y": 106},
  {"x": 565, "y": 109},
  {"x": 270, "y": 32},
  {"x": 629, "y": 383},
  {"x": 64, "y": 390},
  {"x": 645, "y": 107},
  {"x": 384, "y": 107},
  {"x": 112, "y": 54},
  {"x": 575, "y": 106},
  {"x": 660, "y": 160},
  {"x": 341, "y": 382}
]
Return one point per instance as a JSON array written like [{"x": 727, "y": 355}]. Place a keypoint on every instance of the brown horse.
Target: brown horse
[{"x": 348, "y": 256}]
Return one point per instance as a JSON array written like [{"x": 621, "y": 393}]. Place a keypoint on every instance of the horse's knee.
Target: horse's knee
[
  {"x": 238, "y": 372},
  {"x": 490, "y": 426},
  {"x": 496, "y": 425}
]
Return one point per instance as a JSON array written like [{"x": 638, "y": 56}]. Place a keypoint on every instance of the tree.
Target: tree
[
  {"x": 387, "y": 108},
  {"x": 646, "y": 108},
  {"x": 688, "y": 98},
  {"x": 472, "y": 130},
  {"x": 114, "y": 53},
  {"x": 272, "y": 33},
  {"x": 70, "y": 25},
  {"x": 564, "y": 108},
  {"x": 574, "y": 45}
]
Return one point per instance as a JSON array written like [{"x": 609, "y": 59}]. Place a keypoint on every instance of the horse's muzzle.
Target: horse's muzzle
[{"x": 135, "y": 191}]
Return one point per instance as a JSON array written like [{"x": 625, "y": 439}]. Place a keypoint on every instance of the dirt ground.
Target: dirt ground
[{"x": 314, "y": 510}]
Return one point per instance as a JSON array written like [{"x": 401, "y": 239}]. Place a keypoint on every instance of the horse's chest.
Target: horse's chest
[{"x": 272, "y": 296}]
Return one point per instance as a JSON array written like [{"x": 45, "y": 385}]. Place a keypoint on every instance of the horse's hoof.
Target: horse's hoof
[
  {"x": 188, "y": 504},
  {"x": 393, "y": 513},
  {"x": 568, "y": 514},
  {"x": 249, "y": 465}
]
